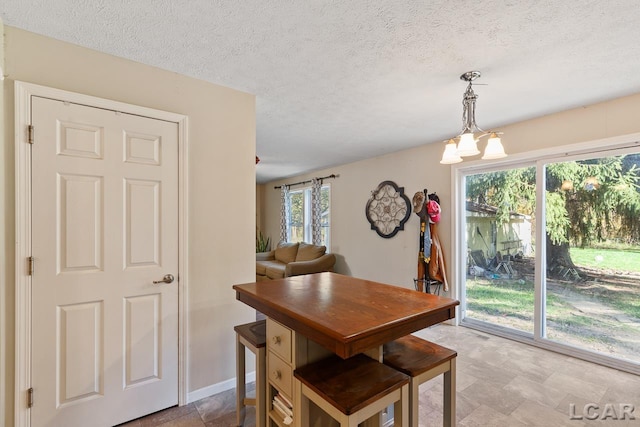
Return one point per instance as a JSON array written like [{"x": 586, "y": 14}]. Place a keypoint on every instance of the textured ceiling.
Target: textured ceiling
[{"x": 340, "y": 81}]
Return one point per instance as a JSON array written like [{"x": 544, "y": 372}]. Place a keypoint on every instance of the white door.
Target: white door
[{"x": 104, "y": 227}]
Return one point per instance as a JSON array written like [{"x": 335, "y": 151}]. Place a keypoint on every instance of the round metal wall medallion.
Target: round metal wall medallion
[{"x": 388, "y": 209}]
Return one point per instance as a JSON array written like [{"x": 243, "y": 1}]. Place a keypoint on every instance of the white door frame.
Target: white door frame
[{"x": 23, "y": 93}]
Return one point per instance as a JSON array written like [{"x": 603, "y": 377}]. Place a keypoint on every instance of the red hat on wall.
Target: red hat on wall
[{"x": 433, "y": 209}]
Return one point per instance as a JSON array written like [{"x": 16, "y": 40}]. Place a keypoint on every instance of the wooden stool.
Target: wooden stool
[
  {"x": 423, "y": 360},
  {"x": 353, "y": 390},
  {"x": 251, "y": 336}
]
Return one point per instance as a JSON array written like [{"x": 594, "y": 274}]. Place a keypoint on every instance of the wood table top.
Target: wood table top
[{"x": 345, "y": 314}]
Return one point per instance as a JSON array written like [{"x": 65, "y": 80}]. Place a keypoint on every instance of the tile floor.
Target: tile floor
[{"x": 500, "y": 383}]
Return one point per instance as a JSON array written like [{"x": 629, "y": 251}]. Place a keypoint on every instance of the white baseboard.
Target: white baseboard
[{"x": 214, "y": 389}]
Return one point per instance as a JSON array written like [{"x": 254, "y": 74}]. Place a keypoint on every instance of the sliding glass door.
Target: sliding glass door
[
  {"x": 593, "y": 254},
  {"x": 552, "y": 252},
  {"x": 500, "y": 218}
]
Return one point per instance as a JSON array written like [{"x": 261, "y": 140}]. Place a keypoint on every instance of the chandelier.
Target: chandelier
[{"x": 467, "y": 144}]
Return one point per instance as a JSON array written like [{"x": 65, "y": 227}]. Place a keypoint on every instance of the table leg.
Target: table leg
[{"x": 240, "y": 382}]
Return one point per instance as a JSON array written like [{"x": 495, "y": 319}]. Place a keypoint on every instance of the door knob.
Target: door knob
[{"x": 168, "y": 278}]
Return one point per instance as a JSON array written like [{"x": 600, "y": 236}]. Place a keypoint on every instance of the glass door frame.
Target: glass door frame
[{"x": 624, "y": 144}]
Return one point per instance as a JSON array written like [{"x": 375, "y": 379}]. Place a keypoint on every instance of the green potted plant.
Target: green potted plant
[{"x": 262, "y": 244}]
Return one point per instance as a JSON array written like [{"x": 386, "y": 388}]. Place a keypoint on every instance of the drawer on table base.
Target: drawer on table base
[
  {"x": 280, "y": 374},
  {"x": 279, "y": 339}
]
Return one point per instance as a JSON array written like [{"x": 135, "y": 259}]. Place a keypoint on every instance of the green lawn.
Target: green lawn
[
  {"x": 514, "y": 298},
  {"x": 507, "y": 303},
  {"x": 504, "y": 299},
  {"x": 612, "y": 259},
  {"x": 510, "y": 303},
  {"x": 624, "y": 295}
]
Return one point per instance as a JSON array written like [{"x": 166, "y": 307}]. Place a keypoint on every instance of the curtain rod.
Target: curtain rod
[{"x": 308, "y": 181}]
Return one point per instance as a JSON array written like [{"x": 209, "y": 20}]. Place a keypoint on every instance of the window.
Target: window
[
  {"x": 550, "y": 251},
  {"x": 300, "y": 215}
]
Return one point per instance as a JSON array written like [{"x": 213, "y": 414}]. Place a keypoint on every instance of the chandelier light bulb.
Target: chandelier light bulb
[
  {"x": 494, "y": 149},
  {"x": 450, "y": 155},
  {"x": 468, "y": 145}
]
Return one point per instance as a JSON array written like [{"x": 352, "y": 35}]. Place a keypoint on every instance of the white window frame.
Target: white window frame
[{"x": 307, "y": 223}]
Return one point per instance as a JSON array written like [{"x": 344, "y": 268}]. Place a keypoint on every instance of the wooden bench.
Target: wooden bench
[
  {"x": 423, "y": 360},
  {"x": 353, "y": 390},
  {"x": 251, "y": 336}
]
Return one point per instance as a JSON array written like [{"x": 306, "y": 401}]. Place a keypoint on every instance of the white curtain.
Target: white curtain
[
  {"x": 316, "y": 211},
  {"x": 284, "y": 213}
]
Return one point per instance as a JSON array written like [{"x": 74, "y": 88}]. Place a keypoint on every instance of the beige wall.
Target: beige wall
[
  {"x": 221, "y": 178},
  {"x": 6, "y": 246},
  {"x": 363, "y": 253}
]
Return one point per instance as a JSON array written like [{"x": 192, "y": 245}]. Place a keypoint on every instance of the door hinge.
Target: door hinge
[
  {"x": 31, "y": 265},
  {"x": 30, "y": 134},
  {"x": 30, "y": 397}
]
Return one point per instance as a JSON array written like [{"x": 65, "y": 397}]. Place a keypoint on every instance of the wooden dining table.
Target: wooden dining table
[{"x": 345, "y": 315}]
